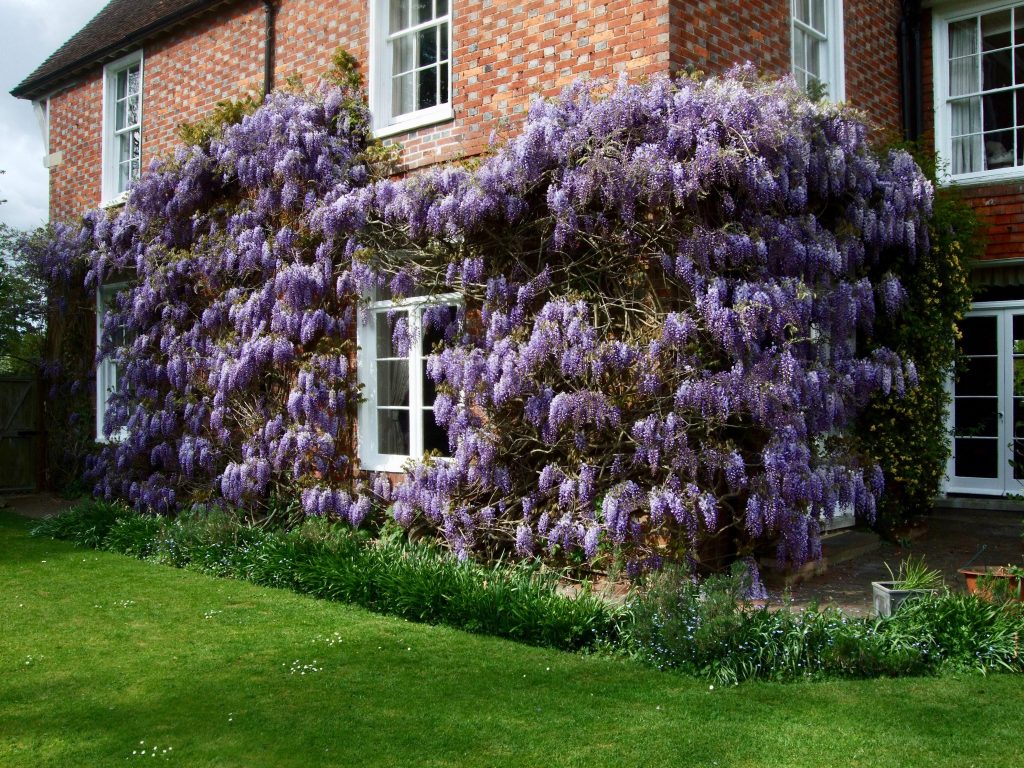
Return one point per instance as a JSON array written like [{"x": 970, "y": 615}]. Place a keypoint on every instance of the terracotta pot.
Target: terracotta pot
[{"x": 984, "y": 580}]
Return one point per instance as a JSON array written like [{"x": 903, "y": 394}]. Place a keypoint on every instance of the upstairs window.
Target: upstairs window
[
  {"x": 122, "y": 125},
  {"x": 396, "y": 417},
  {"x": 979, "y": 84},
  {"x": 818, "y": 47},
  {"x": 410, "y": 76}
]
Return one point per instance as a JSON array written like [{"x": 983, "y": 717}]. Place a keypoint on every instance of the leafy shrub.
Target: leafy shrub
[
  {"x": 706, "y": 629},
  {"x": 133, "y": 535},
  {"x": 964, "y": 632},
  {"x": 86, "y": 524}
]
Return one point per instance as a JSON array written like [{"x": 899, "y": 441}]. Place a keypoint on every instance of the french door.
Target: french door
[{"x": 987, "y": 412}]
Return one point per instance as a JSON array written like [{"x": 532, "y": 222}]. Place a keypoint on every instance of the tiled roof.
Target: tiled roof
[{"x": 121, "y": 24}]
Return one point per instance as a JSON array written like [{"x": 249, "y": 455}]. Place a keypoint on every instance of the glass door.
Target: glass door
[{"x": 987, "y": 409}]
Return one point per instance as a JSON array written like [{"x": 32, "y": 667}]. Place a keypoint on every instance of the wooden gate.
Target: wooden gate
[{"x": 20, "y": 434}]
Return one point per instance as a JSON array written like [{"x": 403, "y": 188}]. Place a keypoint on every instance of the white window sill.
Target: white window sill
[
  {"x": 415, "y": 120},
  {"x": 983, "y": 178},
  {"x": 118, "y": 437},
  {"x": 384, "y": 463},
  {"x": 116, "y": 201}
]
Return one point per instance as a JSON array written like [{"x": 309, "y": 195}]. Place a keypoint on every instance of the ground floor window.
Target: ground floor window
[
  {"x": 108, "y": 371},
  {"x": 396, "y": 417},
  {"x": 987, "y": 410}
]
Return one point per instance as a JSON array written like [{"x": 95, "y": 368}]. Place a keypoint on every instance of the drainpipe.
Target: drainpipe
[
  {"x": 910, "y": 68},
  {"x": 269, "y": 11}
]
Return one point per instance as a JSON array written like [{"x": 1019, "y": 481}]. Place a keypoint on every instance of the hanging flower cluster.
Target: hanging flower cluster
[
  {"x": 233, "y": 340},
  {"x": 667, "y": 291},
  {"x": 666, "y": 294}
]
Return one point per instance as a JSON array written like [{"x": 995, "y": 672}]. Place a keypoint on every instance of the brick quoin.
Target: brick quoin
[{"x": 505, "y": 53}]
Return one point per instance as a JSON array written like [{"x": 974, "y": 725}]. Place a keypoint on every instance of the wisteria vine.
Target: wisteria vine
[{"x": 667, "y": 292}]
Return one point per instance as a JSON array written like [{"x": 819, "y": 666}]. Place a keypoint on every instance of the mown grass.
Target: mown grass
[{"x": 100, "y": 652}]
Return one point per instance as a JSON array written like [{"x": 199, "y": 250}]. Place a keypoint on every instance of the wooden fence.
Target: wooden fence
[{"x": 20, "y": 435}]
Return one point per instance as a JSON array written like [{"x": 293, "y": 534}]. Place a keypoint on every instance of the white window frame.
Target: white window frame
[
  {"x": 366, "y": 336},
  {"x": 942, "y": 16},
  {"x": 111, "y": 194},
  {"x": 106, "y": 370},
  {"x": 383, "y": 122},
  {"x": 833, "y": 60}
]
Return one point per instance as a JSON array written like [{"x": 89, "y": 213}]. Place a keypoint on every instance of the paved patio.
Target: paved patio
[{"x": 948, "y": 539}]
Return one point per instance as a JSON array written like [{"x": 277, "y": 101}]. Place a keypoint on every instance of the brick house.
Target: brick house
[{"x": 442, "y": 74}]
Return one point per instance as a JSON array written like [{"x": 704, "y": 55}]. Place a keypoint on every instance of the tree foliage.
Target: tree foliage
[{"x": 22, "y": 306}]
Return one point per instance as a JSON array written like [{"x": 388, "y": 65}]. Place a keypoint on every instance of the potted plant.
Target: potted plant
[
  {"x": 998, "y": 583},
  {"x": 914, "y": 579}
]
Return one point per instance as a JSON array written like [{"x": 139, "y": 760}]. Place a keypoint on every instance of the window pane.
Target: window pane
[
  {"x": 424, "y": 11},
  {"x": 967, "y": 155},
  {"x": 403, "y": 56},
  {"x": 442, "y": 36},
  {"x": 399, "y": 15},
  {"x": 385, "y": 335},
  {"x": 977, "y": 376},
  {"x": 124, "y": 176},
  {"x": 393, "y": 383},
  {"x": 963, "y": 75},
  {"x": 818, "y": 15},
  {"x": 426, "y": 88},
  {"x": 121, "y": 89},
  {"x": 443, "y": 88},
  {"x": 1018, "y": 417},
  {"x": 429, "y": 387},
  {"x": 132, "y": 107},
  {"x": 800, "y": 48},
  {"x": 814, "y": 58},
  {"x": 978, "y": 335},
  {"x": 442, "y": 8},
  {"x": 427, "y": 39},
  {"x": 134, "y": 79},
  {"x": 976, "y": 417},
  {"x": 802, "y": 10},
  {"x": 999, "y": 150},
  {"x": 998, "y": 110},
  {"x": 976, "y": 458},
  {"x": 124, "y": 147},
  {"x": 402, "y": 94},
  {"x": 995, "y": 30},
  {"x": 1018, "y": 377},
  {"x": 435, "y": 438},
  {"x": 393, "y": 432},
  {"x": 996, "y": 70}
]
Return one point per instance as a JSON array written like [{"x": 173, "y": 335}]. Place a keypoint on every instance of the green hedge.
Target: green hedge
[
  {"x": 388, "y": 575},
  {"x": 704, "y": 629}
]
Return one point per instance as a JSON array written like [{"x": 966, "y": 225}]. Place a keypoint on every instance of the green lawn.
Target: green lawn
[{"x": 102, "y": 656}]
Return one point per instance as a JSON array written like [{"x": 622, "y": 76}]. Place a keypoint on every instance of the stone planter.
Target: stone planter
[{"x": 888, "y": 598}]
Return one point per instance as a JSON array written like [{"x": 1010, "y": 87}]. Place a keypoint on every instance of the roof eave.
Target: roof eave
[{"x": 34, "y": 88}]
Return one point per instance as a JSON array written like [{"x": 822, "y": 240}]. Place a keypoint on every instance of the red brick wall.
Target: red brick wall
[
  {"x": 872, "y": 60},
  {"x": 187, "y": 72},
  {"x": 76, "y": 119},
  {"x": 506, "y": 52}
]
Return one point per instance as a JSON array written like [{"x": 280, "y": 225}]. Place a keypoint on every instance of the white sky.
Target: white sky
[{"x": 30, "y": 30}]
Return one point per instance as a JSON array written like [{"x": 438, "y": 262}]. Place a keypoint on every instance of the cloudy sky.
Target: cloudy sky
[{"x": 30, "y": 30}]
